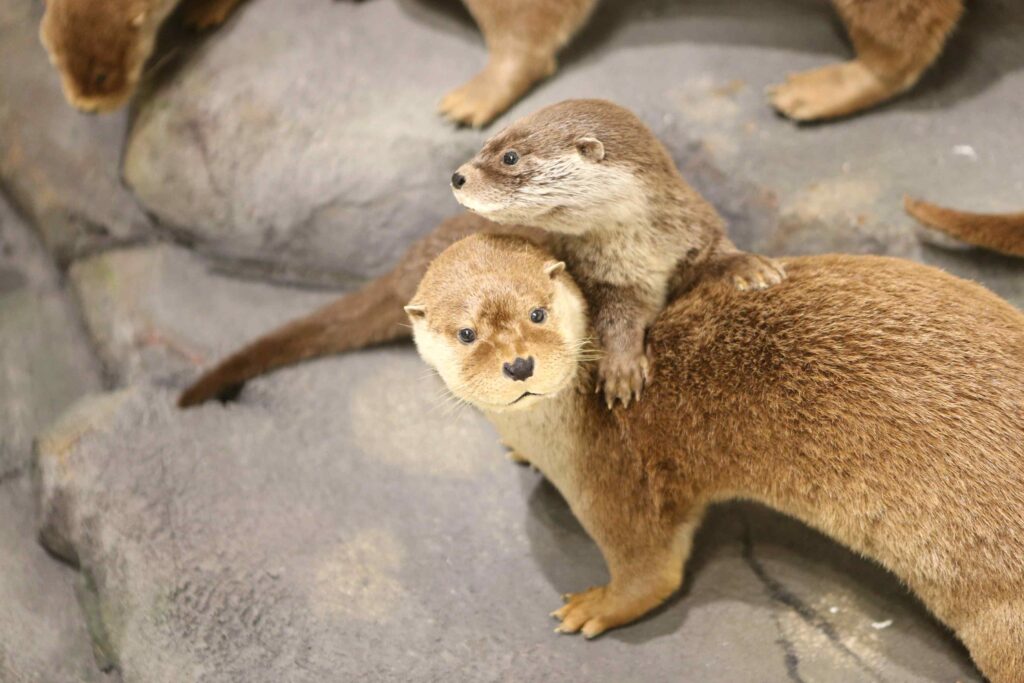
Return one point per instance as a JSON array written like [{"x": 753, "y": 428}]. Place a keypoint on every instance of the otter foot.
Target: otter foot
[
  {"x": 752, "y": 272},
  {"x": 598, "y": 609},
  {"x": 205, "y": 14},
  {"x": 831, "y": 92},
  {"x": 493, "y": 90},
  {"x": 622, "y": 376}
]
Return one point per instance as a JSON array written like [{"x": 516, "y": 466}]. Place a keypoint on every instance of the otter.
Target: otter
[
  {"x": 877, "y": 400},
  {"x": 99, "y": 47},
  {"x": 1002, "y": 233},
  {"x": 895, "y": 42},
  {"x": 620, "y": 214}
]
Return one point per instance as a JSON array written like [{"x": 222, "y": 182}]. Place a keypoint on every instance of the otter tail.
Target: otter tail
[
  {"x": 1003, "y": 233},
  {"x": 371, "y": 315}
]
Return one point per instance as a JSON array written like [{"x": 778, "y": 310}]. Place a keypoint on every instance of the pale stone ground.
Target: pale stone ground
[{"x": 338, "y": 522}]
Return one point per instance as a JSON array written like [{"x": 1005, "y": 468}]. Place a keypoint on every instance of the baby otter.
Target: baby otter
[
  {"x": 100, "y": 46},
  {"x": 620, "y": 215},
  {"x": 895, "y": 43},
  {"x": 877, "y": 400},
  {"x": 1003, "y": 233}
]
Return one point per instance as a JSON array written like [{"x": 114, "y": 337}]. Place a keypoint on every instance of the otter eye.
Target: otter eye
[
  {"x": 100, "y": 78},
  {"x": 510, "y": 158},
  {"x": 467, "y": 336},
  {"x": 538, "y": 315}
]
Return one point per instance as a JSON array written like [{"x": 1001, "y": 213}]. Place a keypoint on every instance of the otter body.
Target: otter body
[
  {"x": 877, "y": 400},
  {"x": 101, "y": 46},
  {"x": 620, "y": 214}
]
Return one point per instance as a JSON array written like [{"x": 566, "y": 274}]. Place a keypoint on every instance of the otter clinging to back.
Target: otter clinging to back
[
  {"x": 877, "y": 400},
  {"x": 620, "y": 214},
  {"x": 100, "y": 46}
]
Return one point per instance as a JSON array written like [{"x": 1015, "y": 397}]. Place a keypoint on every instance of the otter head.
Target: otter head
[
  {"x": 501, "y": 322},
  {"x": 569, "y": 167},
  {"x": 99, "y": 47}
]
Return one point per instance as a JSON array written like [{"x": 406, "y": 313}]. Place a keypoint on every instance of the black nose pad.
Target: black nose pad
[
  {"x": 519, "y": 370},
  {"x": 458, "y": 180}
]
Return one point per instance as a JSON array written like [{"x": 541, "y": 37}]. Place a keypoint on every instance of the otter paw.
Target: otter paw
[
  {"x": 752, "y": 272},
  {"x": 622, "y": 376},
  {"x": 829, "y": 92},
  {"x": 593, "y": 612},
  {"x": 477, "y": 103}
]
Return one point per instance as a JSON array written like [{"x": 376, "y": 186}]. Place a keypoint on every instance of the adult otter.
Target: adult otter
[
  {"x": 1003, "y": 233},
  {"x": 100, "y": 46},
  {"x": 877, "y": 400},
  {"x": 620, "y": 215}
]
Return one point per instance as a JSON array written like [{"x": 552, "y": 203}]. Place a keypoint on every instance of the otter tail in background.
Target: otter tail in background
[
  {"x": 1003, "y": 233},
  {"x": 371, "y": 315}
]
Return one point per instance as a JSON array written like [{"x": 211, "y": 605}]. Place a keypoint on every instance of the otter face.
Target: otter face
[
  {"x": 567, "y": 168},
  {"x": 99, "y": 47},
  {"x": 500, "y": 321}
]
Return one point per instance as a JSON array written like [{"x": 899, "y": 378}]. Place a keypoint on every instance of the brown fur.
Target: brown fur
[
  {"x": 100, "y": 46},
  {"x": 621, "y": 215},
  {"x": 999, "y": 232},
  {"x": 895, "y": 42},
  {"x": 875, "y": 399}
]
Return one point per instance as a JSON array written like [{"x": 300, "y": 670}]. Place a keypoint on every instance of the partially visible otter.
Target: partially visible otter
[
  {"x": 1003, "y": 233},
  {"x": 100, "y": 46},
  {"x": 875, "y": 399},
  {"x": 895, "y": 43},
  {"x": 621, "y": 215}
]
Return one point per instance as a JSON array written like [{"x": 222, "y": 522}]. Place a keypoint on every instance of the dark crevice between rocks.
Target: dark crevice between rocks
[
  {"x": 89, "y": 601},
  {"x": 781, "y": 594}
]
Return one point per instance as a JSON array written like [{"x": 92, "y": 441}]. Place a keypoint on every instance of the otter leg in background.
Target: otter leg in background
[
  {"x": 368, "y": 316},
  {"x": 895, "y": 41},
  {"x": 523, "y": 38},
  {"x": 203, "y": 14},
  {"x": 1003, "y": 233},
  {"x": 645, "y": 570}
]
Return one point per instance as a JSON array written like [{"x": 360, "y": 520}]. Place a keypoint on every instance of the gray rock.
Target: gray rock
[
  {"x": 300, "y": 138},
  {"x": 341, "y": 523},
  {"x": 43, "y": 638},
  {"x": 45, "y": 360},
  {"x": 62, "y": 167}
]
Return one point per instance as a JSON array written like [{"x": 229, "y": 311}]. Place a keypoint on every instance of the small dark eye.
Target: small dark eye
[
  {"x": 467, "y": 336},
  {"x": 510, "y": 158},
  {"x": 100, "y": 78},
  {"x": 538, "y": 315}
]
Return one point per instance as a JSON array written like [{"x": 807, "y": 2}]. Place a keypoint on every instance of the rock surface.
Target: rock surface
[
  {"x": 62, "y": 167},
  {"x": 301, "y": 139}
]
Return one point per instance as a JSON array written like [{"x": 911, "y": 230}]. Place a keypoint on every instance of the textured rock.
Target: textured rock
[
  {"x": 368, "y": 534},
  {"x": 45, "y": 360},
  {"x": 160, "y": 312},
  {"x": 61, "y": 166},
  {"x": 301, "y": 137},
  {"x": 43, "y": 638}
]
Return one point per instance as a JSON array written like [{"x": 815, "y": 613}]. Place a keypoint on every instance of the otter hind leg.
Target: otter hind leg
[
  {"x": 523, "y": 39},
  {"x": 204, "y": 14},
  {"x": 895, "y": 41},
  {"x": 995, "y": 639}
]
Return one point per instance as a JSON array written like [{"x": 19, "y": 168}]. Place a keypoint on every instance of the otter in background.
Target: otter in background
[
  {"x": 1003, "y": 233},
  {"x": 875, "y": 399}
]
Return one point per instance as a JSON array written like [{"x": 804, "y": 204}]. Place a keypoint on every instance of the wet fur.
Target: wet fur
[
  {"x": 875, "y": 399},
  {"x": 1003, "y": 233}
]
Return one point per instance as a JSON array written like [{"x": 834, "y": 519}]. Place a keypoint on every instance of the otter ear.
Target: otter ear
[
  {"x": 553, "y": 268},
  {"x": 590, "y": 148},
  {"x": 416, "y": 311}
]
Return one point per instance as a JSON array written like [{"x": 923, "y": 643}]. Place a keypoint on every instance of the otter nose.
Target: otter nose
[
  {"x": 458, "y": 180},
  {"x": 519, "y": 370}
]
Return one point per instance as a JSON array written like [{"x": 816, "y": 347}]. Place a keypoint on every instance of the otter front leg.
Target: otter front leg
[
  {"x": 621, "y": 318},
  {"x": 644, "y": 573},
  {"x": 895, "y": 40},
  {"x": 523, "y": 38},
  {"x": 204, "y": 14}
]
